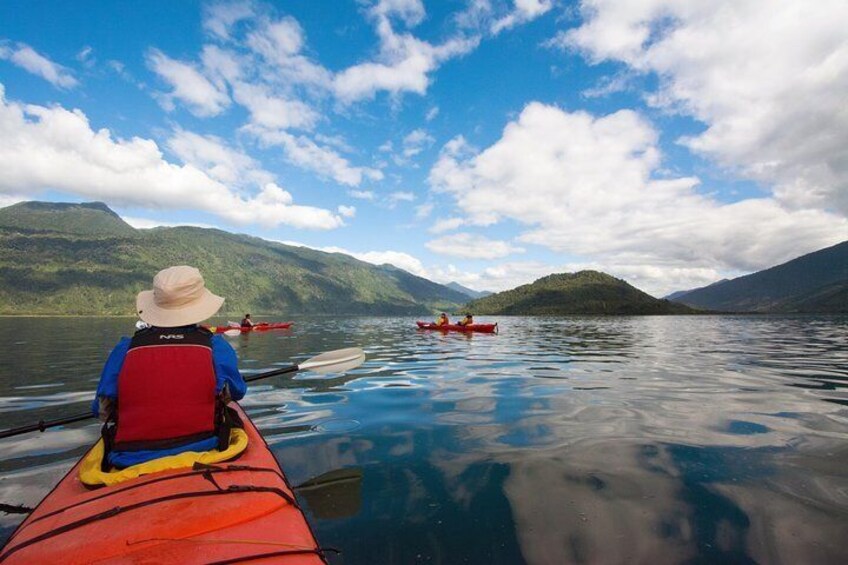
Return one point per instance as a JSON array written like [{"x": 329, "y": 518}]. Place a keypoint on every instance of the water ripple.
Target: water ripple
[{"x": 681, "y": 438}]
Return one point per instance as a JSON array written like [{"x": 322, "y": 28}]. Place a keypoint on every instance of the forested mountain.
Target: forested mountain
[
  {"x": 816, "y": 283},
  {"x": 84, "y": 259},
  {"x": 469, "y": 292},
  {"x": 678, "y": 293},
  {"x": 87, "y": 218},
  {"x": 585, "y": 292}
]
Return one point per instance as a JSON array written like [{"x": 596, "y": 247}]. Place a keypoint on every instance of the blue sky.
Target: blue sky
[{"x": 484, "y": 141}]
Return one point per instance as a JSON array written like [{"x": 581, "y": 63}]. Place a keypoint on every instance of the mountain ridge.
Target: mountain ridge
[
  {"x": 584, "y": 292},
  {"x": 470, "y": 292},
  {"x": 816, "y": 282},
  {"x": 50, "y": 264},
  {"x": 678, "y": 293},
  {"x": 83, "y": 218}
]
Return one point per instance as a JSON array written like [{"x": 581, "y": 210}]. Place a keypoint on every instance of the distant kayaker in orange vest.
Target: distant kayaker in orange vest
[
  {"x": 442, "y": 320},
  {"x": 467, "y": 321},
  {"x": 164, "y": 391}
]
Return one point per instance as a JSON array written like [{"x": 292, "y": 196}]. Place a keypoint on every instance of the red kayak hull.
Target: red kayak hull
[
  {"x": 483, "y": 328},
  {"x": 228, "y": 512},
  {"x": 256, "y": 328}
]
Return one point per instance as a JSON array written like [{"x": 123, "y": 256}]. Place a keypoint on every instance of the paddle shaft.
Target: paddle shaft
[{"x": 42, "y": 425}]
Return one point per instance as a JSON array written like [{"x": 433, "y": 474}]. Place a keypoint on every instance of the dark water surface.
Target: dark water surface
[{"x": 565, "y": 440}]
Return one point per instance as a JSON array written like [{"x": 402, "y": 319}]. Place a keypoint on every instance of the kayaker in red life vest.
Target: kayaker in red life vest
[
  {"x": 467, "y": 321},
  {"x": 164, "y": 390},
  {"x": 246, "y": 322},
  {"x": 442, "y": 320}
]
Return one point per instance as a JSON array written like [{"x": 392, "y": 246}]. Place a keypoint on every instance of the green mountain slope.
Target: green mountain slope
[
  {"x": 87, "y": 218},
  {"x": 585, "y": 292},
  {"x": 59, "y": 268},
  {"x": 816, "y": 282}
]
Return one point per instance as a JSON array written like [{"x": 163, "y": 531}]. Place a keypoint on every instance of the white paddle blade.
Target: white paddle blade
[
  {"x": 337, "y": 361},
  {"x": 232, "y": 333}
]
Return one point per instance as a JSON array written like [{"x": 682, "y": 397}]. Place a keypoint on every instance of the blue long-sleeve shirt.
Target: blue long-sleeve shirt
[{"x": 226, "y": 374}]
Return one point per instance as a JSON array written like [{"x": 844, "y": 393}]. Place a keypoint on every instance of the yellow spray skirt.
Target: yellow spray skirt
[{"x": 91, "y": 473}]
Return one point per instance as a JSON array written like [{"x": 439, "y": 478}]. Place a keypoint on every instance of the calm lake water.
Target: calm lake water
[{"x": 559, "y": 440}]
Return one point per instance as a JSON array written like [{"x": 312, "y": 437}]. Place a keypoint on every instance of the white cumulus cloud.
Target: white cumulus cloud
[
  {"x": 769, "y": 80},
  {"x": 399, "y": 259},
  {"x": 471, "y": 246},
  {"x": 590, "y": 186},
  {"x": 51, "y": 148}
]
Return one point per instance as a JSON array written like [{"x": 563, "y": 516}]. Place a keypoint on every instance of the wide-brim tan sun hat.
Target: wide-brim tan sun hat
[{"x": 179, "y": 298}]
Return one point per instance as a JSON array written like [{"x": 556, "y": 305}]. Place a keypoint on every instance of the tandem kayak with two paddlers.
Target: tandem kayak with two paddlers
[{"x": 483, "y": 328}]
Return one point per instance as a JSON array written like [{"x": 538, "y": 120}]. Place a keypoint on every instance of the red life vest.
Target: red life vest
[{"x": 166, "y": 390}]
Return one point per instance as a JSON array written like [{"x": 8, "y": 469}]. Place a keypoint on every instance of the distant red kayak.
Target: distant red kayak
[
  {"x": 261, "y": 327},
  {"x": 483, "y": 328}
]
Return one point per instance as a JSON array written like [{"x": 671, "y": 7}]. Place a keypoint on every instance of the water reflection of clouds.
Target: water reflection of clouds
[
  {"x": 715, "y": 403},
  {"x": 573, "y": 439},
  {"x": 25, "y": 403}
]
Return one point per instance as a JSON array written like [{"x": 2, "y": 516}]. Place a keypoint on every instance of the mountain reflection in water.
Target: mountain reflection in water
[{"x": 559, "y": 440}]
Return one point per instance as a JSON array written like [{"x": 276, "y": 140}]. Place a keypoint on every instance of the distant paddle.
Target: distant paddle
[{"x": 337, "y": 361}]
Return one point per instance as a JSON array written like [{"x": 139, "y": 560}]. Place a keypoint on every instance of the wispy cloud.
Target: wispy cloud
[
  {"x": 523, "y": 11},
  {"x": 416, "y": 142},
  {"x": 201, "y": 96},
  {"x": 33, "y": 62},
  {"x": 404, "y": 63},
  {"x": 323, "y": 161}
]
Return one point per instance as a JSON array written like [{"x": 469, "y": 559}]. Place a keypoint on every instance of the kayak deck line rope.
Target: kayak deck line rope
[
  {"x": 199, "y": 469},
  {"x": 319, "y": 551},
  {"x": 221, "y": 542},
  {"x": 232, "y": 489}
]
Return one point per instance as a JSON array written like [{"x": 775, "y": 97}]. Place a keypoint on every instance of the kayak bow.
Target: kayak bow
[
  {"x": 224, "y": 513},
  {"x": 484, "y": 328}
]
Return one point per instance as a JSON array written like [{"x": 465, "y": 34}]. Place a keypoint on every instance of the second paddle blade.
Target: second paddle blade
[
  {"x": 336, "y": 494},
  {"x": 337, "y": 361}
]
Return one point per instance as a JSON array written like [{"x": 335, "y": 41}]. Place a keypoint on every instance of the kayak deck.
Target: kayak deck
[
  {"x": 484, "y": 328},
  {"x": 228, "y": 512}
]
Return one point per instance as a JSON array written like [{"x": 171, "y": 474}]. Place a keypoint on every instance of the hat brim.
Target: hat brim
[{"x": 201, "y": 309}]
